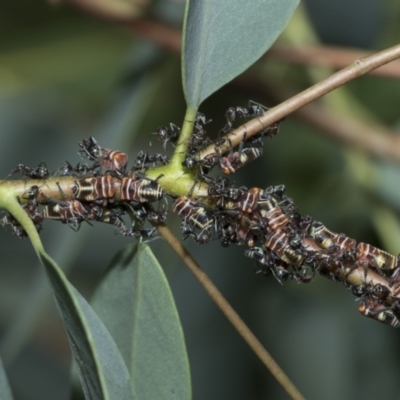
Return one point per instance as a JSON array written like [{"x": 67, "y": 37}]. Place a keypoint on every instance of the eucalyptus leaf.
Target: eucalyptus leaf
[
  {"x": 5, "y": 391},
  {"x": 136, "y": 305},
  {"x": 223, "y": 38},
  {"x": 102, "y": 370}
]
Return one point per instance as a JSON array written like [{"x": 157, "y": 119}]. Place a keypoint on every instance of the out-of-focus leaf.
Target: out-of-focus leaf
[
  {"x": 102, "y": 370},
  {"x": 223, "y": 38},
  {"x": 136, "y": 305},
  {"x": 70, "y": 62},
  {"x": 5, "y": 391}
]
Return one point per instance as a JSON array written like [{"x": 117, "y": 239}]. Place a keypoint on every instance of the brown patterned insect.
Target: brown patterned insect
[
  {"x": 107, "y": 215},
  {"x": 246, "y": 203},
  {"x": 234, "y": 161},
  {"x": 194, "y": 216},
  {"x": 374, "y": 309},
  {"x": 375, "y": 257},
  {"x": 140, "y": 190},
  {"x": 270, "y": 212},
  {"x": 68, "y": 211},
  {"x": 100, "y": 189},
  {"x": 111, "y": 160},
  {"x": 280, "y": 243}
]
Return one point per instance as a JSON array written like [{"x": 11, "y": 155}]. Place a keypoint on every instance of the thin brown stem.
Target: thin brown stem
[
  {"x": 229, "y": 312},
  {"x": 376, "y": 139},
  {"x": 356, "y": 69}
]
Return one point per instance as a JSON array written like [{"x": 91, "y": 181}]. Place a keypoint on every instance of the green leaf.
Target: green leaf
[
  {"x": 5, "y": 391},
  {"x": 102, "y": 370},
  {"x": 223, "y": 38},
  {"x": 136, "y": 305}
]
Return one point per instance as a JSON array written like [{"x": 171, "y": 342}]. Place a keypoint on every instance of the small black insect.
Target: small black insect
[{"x": 40, "y": 172}]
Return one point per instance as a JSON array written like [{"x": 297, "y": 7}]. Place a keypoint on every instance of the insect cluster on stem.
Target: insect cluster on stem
[
  {"x": 283, "y": 243},
  {"x": 103, "y": 191}
]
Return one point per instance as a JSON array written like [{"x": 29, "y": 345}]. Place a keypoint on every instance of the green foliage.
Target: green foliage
[
  {"x": 223, "y": 38},
  {"x": 102, "y": 370},
  {"x": 136, "y": 305}
]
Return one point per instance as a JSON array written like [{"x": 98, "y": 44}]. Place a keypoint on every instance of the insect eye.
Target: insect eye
[
  {"x": 189, "y": 163},
  {"x": 161, "y": 134},
  {"x": 96, "y": 152}
]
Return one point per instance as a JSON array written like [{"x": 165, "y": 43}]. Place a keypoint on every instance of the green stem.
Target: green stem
[
  {"x": 177, "y": 180},
  {"x": 9, "y": 202},
  {"x": 184, "y": 138}
]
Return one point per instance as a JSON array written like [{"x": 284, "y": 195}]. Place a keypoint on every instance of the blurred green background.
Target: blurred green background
[{"x": 66, "y": 75}]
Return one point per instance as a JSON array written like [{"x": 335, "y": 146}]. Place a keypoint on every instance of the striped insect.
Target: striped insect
[
  {"x": 111, "y": 160},
  {"x": 271, "y": 213},
  {"x": 100, "y": 189},
  {"x": 363, "y": 254},
  {"x": 280, "y": 243},
  {"x": 246, "y": 203},
  {"x": 235, "y": 160},
  {"x": 140, "y": 190},
  {"x": 372, "y": 308},
  {"x": 194, "y": 216},
  {"x": 330, "y": 240},
  {"x": 68, "y": 211},
  {"x": 71, "y": 212},
  {"x": 238, "y": 231},
  {"x": 376, "y": 258},
  {"x": 107, "y": 215}
]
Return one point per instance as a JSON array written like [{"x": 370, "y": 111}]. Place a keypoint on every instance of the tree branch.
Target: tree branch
[
  {"x": 229, "y": 312},
  {"x": 355, "y": 70},
  {"x": 376, "y": 139}
]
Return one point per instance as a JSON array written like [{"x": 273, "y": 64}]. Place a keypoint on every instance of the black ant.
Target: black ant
[
  {"x": 78, "y": 170},
  {"x": 170, "y": 134},
  {"x": 40, "y": 172},
  {"x": 144, "y": 158}
]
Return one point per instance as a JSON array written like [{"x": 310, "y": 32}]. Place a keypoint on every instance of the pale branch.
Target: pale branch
[
  {"x": 277, "y": 113},
  {"x": 372, "y": 137}
]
